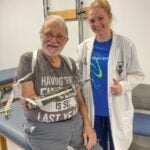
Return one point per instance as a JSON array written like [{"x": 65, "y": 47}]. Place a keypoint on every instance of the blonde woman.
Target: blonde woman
[{"x": 110, "y": 60}]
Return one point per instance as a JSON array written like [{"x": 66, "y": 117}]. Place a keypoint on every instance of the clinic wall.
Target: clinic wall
[
  {"x": 19, "y": 29},
  {"x": 130, "y": 18},
  {"x": 21, "y": 20}
]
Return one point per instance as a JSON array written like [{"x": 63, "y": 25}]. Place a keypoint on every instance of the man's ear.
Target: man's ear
[{"x": 67, "y": 39}]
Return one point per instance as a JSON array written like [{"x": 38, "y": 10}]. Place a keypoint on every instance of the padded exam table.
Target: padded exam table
[
  {"x": 6, "y": 80},
  {"x": 141, "y": 125},
  {"x": 141, "y": 102},
  {"x": 7, "y": 77},
  {"x": 12, "y": 128}
]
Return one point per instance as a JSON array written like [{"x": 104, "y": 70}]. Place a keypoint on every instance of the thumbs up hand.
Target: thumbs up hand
[{"x": 116, "y": 87}]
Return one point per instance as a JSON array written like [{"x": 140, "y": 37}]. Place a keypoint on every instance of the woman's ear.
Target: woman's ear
[{"x": 110, "y": 16}]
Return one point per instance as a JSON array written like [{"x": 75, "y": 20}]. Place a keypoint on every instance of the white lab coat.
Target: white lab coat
[{"x": 120, "y": 106}]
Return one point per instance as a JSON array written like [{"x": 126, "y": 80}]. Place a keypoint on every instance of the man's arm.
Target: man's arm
[
  {"x": 27, "y": 91},
  {"x": 88, "y": 133}
]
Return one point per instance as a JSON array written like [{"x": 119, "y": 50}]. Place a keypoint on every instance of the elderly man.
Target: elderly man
[{"x": 63, "y": 120}]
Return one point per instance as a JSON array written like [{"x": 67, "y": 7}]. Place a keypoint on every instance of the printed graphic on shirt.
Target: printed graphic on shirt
[
  {"x": 96, "y": 68},
  {"x": 98, "y": 71},
  {"x": 53, "y": 117},
  {"x": 53, "y": 84},
  {"x": 61, "y": 107}
]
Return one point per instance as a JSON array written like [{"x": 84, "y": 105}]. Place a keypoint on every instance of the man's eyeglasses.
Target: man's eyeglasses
[{"x": 50, "y": 35}]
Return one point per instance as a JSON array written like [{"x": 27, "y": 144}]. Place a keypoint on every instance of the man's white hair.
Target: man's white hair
[{"x": 55, "y": 18}]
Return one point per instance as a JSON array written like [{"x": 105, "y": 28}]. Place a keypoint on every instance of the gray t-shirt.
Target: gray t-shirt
[{"x": 49, "y": 80}]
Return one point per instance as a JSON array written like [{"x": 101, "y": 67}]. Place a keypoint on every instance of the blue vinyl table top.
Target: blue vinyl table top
[
  {"x": 141, "y": 125},
  {"x": 12, "y": 128},
  {"x": 7, "y": 75}
]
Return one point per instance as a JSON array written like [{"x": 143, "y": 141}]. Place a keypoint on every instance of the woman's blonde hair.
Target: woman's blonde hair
[{"x": 101, "y": 4}]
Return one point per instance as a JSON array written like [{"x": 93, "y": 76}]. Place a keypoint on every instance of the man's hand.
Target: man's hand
[
  {"x": 116, "y": 88},
  {"x": 89, "y": 136},
  {"x": 26, "y": 104}
]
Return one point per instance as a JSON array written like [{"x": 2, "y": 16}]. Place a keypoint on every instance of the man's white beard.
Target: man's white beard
[{"x": 52, "y": 52}]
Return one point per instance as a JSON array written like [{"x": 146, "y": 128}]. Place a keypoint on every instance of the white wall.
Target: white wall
[
  {"x": 131, "y": 18},
  {"x": 21, "y": 20},
  {"x": 19, "y": 27}
]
